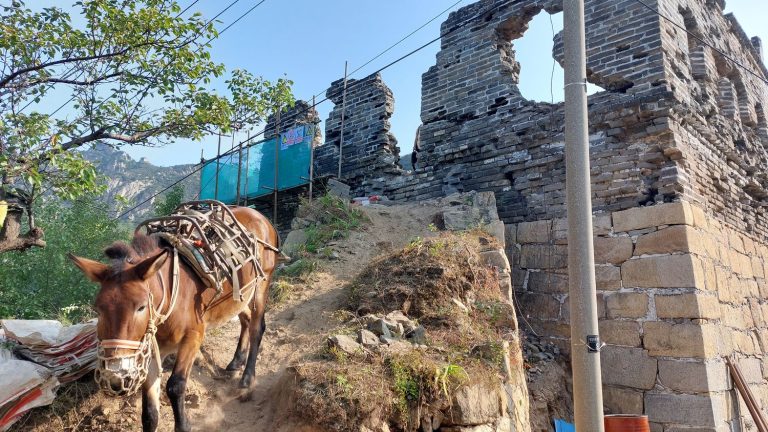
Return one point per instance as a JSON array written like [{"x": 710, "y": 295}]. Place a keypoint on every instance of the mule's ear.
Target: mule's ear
[
  {"x": 93, "y": 270},
  {"x": 148, "y": 267}
]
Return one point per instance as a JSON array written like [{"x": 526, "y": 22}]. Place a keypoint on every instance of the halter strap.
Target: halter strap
[
  {"x": 156, "y": 315},
  {"x": 156, "y": 318},
  {"x": 120, "y": 343}
]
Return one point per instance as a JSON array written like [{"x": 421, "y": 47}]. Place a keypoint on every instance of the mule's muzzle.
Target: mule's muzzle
[{"x": 123, "y": 374}]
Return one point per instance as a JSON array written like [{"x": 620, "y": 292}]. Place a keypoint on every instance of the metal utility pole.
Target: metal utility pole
[
  {"x": 585, "y": 340},
  {"x": 277, "y": 161},
  {"x": 343, "y": 112}
]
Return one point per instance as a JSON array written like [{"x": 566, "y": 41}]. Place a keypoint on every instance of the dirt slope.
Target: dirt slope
[
  {"x": 294, "y": 330},
  {"x": 298, "y": 327}
]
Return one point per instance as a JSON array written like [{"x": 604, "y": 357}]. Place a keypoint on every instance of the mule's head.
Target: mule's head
[{"x": 123, "y": 306}]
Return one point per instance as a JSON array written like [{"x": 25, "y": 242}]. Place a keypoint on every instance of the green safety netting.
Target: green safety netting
[{"x": 257, "y": 167}]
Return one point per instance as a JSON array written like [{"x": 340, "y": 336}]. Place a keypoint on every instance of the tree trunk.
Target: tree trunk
[{"x": 11, "y": 237}]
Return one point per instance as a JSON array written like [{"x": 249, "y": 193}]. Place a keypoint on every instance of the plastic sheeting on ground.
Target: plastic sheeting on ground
[
  {"x": 70, "y": 352},
  {"x": 23, "y": 385},
  {"x": 44, "y": 354}
]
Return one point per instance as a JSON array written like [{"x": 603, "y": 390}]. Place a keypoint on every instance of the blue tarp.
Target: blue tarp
[
  {"x": 257, "y": 177},
  {"x": 564, "y": 426}
]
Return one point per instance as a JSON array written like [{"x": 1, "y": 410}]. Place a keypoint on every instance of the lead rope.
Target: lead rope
[{"x": 155, "y": 318}]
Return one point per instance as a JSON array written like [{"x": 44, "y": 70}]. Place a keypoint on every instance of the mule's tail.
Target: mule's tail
[{"x": 281, "y": 256}]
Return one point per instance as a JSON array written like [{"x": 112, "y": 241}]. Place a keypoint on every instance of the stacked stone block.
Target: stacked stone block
[
  {"x": 678, "y": 291},
  {"x": 302, "y": 113},
  {"x": 370, "y": 150}
]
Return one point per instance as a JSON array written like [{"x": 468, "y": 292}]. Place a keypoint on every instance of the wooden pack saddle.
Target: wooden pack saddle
[{"x": 210, "y": 239}]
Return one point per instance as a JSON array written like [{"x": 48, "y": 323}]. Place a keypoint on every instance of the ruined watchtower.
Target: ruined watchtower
[
  {"x": 679, "y": 161},
  {"x": 678, "y": 146}
]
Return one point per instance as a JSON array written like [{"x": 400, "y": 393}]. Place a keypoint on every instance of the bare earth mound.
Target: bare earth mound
[{"x": 396, "y": 385}]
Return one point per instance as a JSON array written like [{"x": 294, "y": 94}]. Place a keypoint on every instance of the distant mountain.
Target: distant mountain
[
  {"x": 137, "y": 180},
  {"x": 405, "y": 161}
]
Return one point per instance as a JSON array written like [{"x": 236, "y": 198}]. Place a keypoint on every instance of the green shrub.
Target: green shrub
[
  {"x": 42, "y": 283},
  {"x": 331, "y": 218}
]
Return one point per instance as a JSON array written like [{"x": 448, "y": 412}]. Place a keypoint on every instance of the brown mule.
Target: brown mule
[{"x": 136, "y": 288}]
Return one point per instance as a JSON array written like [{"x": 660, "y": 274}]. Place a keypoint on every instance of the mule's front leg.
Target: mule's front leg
[
  {"x": 242, "y": 343},
  {"x": 150, "y": 398},
  {"x": 177, "y": 383},
  {"x": 257, "y": 327}
]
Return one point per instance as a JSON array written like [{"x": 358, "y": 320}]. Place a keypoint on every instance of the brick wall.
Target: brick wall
[
  {"x": 370, "y": 150},
  {"x": 678, "y": 291},
  {"x": 677, "y": 120}
]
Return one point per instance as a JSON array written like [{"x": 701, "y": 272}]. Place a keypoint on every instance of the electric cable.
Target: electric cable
[
  {"x": 698, "y": 38},
  {"x": 390, "y": 64}
]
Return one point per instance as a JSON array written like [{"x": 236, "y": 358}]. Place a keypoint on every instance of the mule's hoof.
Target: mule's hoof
[
  {"x": 246, "y": 381},
  {"x": 245, "y": 396},
  {"x": 234, "y": 365}
]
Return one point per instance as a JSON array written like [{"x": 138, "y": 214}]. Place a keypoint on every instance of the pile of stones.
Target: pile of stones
[
  {"x": 537, "y": 351},
  {"x": 391, "y": 332}
]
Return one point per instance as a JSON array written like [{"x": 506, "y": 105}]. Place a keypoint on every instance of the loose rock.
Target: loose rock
[
  {"x": 418, "y": 336},
  {"x": 345, "y": 343},
  {"x": 367, "y": 338}
]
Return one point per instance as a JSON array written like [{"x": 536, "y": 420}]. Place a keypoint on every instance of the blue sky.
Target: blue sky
[{"x": 309, "y": 40}]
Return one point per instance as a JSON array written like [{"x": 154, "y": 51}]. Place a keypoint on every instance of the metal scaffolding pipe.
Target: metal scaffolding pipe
[
  {"x": 343, "y": 113},
  {"x": 218, "y": 161},
  {"x": 277, "y": 162},
  {"x": 312, "y": 156}
]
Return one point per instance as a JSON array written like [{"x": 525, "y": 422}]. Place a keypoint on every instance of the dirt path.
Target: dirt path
[{"x": 294, "y": 330}]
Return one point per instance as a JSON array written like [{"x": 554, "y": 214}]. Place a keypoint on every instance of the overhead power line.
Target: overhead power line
[
  {"x": 460, "y": 26},
  {"x": 405, "y": 37},
  {"x": 189, "y": 6},
  {"x": 238, "y": 19},
  {"x": 698, "y": 38}
]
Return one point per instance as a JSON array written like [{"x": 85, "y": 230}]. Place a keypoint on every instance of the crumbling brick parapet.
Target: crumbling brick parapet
[{"x": 370, "y": 149}]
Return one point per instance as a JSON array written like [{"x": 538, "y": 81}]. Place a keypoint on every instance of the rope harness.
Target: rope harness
[
  {"x": 122, "y": 375},
  {"x": 216, "y": 245}
]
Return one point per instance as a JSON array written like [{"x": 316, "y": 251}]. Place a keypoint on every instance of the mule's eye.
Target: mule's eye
[{"x": 141, "y": 308}]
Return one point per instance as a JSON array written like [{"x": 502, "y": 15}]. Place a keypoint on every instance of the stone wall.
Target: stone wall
[
  {"x": 677, "y": 119},
  {"x": 301, "y": 113},
  {"x": 370, "y": 150},
  {"x": 480, "y": 133},
  {"x": 678, "y": 291},
  {"x": 718, "y": 120}
]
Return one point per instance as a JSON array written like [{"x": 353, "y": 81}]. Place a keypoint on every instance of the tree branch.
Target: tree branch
[
  {"x": 10, "y": 235},
  {"x": 33, "y": 238},
  {"x": 77, "y": 82},
  {"x": 133, "y": 139},
  {"x": 14, "y": 75},
  {"x": 77, "y": 142}
]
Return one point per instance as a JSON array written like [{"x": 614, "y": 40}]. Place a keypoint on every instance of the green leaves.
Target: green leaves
[
  {"x": 134, "y": 72},
  {"x": 170, "y": 201},
  {"x": 40, "y": 283}
]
